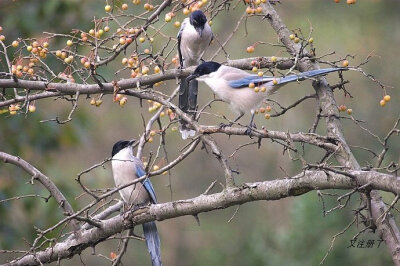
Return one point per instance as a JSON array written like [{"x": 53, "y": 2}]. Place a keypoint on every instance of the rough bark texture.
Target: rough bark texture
[{"x": 268, "y": 190}]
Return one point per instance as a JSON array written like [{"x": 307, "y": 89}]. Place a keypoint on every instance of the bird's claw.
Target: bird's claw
[
  {"x": 222, "y": 125},
  {"x": 249, "y": 131}
]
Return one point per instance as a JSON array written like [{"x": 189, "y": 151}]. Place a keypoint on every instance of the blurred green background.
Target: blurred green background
[{"x": 286, "y": 232}]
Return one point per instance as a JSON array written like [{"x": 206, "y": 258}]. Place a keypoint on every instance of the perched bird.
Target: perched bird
[
  {"x": 233, "y": 85},
  {"x": 126, "y": 168},
  {"x": 194, "y": 37}
]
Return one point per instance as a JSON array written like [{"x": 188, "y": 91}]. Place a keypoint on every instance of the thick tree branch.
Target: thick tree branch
[
  {"x": 57, "y": 89},
  {"x": 268, "y": 190}
]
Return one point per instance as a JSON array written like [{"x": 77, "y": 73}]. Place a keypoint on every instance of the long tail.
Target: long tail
[
  {"x": 275, "y": 81},
  {"x": 152, "y": 242},
  {"x": 188, "y": 104},
  {"x": 308, "y": 74}
]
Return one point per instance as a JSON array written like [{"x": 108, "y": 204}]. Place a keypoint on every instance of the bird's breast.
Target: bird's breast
[
  {"x": 193, "y": 46},
  {"x": 124, "y": 172},
  {"x": 241, "y": 100}
]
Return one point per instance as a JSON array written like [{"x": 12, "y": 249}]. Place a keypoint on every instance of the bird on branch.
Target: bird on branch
[
  {"x": 126, "y": 168},
  {"x": 241, "y": 89},
  {"x": 194, "y": 37}
]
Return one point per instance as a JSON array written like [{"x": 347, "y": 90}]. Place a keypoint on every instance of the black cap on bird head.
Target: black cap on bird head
[
  {"x": 122, "y": 144},
  {"x": 198, "y": 19},
  {"x": 204, "y": 69}
]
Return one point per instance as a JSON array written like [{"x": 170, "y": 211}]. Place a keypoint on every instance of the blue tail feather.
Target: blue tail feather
[
  {"x": 152, "y": 242},
  {"x": 244, "y": 82},
  {"x": 307, "y": 74}
]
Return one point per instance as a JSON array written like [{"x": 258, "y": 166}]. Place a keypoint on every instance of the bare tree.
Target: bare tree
[{"x": 28, "y": 78}]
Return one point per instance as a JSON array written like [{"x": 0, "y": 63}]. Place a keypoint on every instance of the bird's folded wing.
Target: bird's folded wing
[
  {"x": 245, "y": 81},
  {"x": 147, "y": 184}
]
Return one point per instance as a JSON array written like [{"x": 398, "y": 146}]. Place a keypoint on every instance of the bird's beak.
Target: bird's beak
[
  {"x": 191, "y": 77},
  {"x": 131, "y": 142}
]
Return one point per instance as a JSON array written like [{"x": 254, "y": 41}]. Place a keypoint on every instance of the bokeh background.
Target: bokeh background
[{"x": 290, "y": 231}]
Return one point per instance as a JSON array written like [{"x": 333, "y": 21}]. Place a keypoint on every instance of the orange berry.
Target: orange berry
[
  {"x": 250, "y": 49},
  {"x": 31, "y": 108},
  {"x": 177, "y": 24},
  {"x": 382, "y": 103},
  {"x": 168, "y": 17},
  {"x": 342, "y": 108},
  {"x": 15, "y": 44},
  {"x": 249, "y": 10},
  {"x": 145, "y": 70},
  {"x": 98, "y": 103},
  {"x": 113, "y": 256},
  {"x": 345, "y": 63},
  {"x": 123, "y": 101},
  {"x": 386, "y": 98}
]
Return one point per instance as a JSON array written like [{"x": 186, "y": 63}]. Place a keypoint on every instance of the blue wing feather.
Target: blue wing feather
[
  {"x": 147, "y": 184},
  {"x": 244, "y": 82}
]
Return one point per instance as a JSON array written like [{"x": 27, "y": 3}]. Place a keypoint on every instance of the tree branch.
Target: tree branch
[
  {"x": 44, "y": 180},
  {"x": 267, "y": 190}
]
